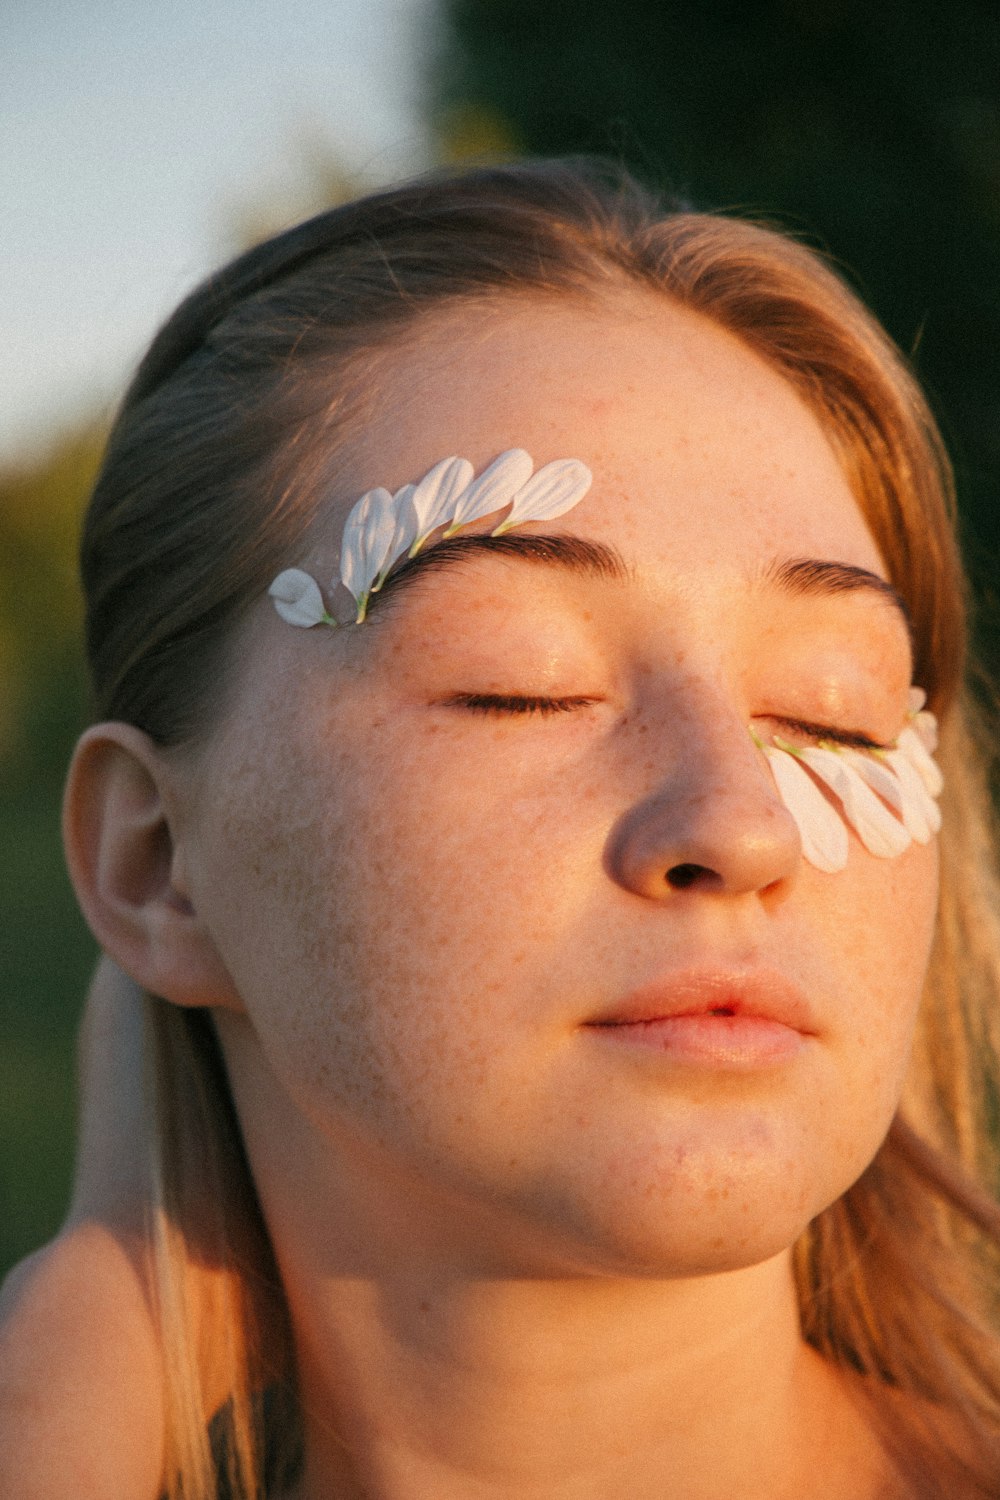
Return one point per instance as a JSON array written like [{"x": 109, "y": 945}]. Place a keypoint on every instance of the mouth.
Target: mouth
[{"x": 735, "y": 1021}]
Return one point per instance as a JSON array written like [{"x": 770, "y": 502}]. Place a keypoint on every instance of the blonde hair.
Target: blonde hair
[{"x": 225, "y": 447}]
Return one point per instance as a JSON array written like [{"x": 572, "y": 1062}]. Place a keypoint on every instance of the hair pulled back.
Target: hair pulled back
[
  {"x": 225, "y": 449},
  {"x": 227, "y": 442}
]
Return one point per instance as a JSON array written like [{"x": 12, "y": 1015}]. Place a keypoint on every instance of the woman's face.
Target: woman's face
[{"x": 447, "y": 916}]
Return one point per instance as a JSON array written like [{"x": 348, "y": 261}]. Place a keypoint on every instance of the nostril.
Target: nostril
[{"x": 681, "y": 876}]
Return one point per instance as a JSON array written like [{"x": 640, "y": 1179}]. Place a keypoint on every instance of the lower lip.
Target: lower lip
[{"x": 740, "y": 1043}]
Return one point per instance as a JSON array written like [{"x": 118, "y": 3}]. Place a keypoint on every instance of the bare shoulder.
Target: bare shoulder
[{"x": 80, "y": 1382}]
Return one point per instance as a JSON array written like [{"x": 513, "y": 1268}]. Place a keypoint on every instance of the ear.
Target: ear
[{"x": 121, "y": 856}]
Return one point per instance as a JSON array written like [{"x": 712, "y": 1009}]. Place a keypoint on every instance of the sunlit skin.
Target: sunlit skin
[{"x": 524, "y": 1256}]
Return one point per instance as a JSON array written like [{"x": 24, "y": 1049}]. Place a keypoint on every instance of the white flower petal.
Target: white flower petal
[
  {"x": 880, "y": 832},
  {"x": 917, "y": 700},
  {"x": 824, "y": 838},
  {"x": 882, "y": 777},
  {"x": 435, "y": 495},
  {"x": 555, "y": 489},
  {"x": 368, "y": 534},
  {"x": 496, "y": 487},
  {"x": 917, "y": 800},
  {"x": 297, "y": 598},
  {"x": 917, "y": 753},
  {"x": 925, "y": 727},
  {"x": 403, "y": 534}
]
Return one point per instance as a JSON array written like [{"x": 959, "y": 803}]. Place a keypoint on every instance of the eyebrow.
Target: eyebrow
[
  {"x": 813, "y": 575},
  {"x": 573, "y": 554}
]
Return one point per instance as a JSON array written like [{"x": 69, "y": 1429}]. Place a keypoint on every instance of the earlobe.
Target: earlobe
[{"x": 122, "y": 861}]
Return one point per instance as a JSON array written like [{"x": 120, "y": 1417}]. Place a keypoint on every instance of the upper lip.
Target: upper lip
[{"x": 763, "y": 994}]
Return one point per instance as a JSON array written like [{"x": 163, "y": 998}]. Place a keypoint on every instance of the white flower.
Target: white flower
[
  {"x": 298, "y": 600},
  {"x": 496, "y": 487},
  {"x": 555, "y": 489},
  {"x": 875, "y": 825},
  {"x": 403, "y": 534},
  {"x": 887, "y": 796},
  {"x": 821, "y": 829},
  {"x": 904, "y": 792},
  {"x": 365, "y": 549},
  {"x": 918, "y": 804},
  {"x": 434, "y": 497},
  {"x": 916, "y": 752},
  {"x": 923, "y": 722},
  {"x": 381, "y": 528}
]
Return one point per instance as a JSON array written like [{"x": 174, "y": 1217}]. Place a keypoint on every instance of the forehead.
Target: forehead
[{"x": 700, "y": 451}]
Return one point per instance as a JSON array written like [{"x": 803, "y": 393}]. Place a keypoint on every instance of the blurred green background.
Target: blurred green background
[{"x": 871, "y": 130}]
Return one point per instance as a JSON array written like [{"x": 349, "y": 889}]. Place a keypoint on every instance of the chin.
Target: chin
[
  {"x": 718, "y": 1240},
  {"x": 706, "y": 1216}
]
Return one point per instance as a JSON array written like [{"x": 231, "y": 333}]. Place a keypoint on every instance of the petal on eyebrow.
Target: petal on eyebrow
[
  {"x": 555, "y": 489},
  {"x": 435, "y": 496},
  {"x": 404, "y": 533},
  {"x": 496, "y": 487},
  {"x": 297, "y": 598},
  {"x": 368, "y": 534}
]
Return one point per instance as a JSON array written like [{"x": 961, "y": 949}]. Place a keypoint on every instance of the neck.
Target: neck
[{"x": 428, "y": 1372}]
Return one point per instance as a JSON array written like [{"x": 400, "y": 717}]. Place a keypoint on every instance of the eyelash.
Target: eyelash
[
  {"x": 516, "y": 703},
  {"x": 851, "y": 738}
]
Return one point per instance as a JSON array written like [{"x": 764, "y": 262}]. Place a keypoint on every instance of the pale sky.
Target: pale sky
[{"x": 133, "y": 135}]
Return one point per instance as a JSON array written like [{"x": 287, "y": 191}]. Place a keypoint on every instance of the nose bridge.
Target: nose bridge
[{"x": 708, "y": 813}]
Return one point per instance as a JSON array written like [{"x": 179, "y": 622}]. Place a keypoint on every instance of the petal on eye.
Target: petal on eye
[
  {"x": 925, "y": 727},
  {"x": 881, "y": 833},
  {"x": 824, "y": 838},
  {"x": 496, "y": 487},
  {"x": 917, "y": 800},
  {"x": 297, "y": 598},
  {"x": 435, "y": 495},
  {"x": 882, "y": 776},
  {"x": 368, "y": 534},
  {"x": 912, "y": 746},
  {"x": 555, "y": 489}
]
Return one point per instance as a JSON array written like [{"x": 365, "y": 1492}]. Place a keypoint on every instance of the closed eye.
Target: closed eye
[
  {"x": 516, "y": 703},
  {"x": 520, "y": 703},
  {"x": 818, "y": 732}
]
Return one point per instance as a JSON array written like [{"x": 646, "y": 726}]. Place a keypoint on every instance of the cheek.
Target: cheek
[
  {"x": 372, "y": 906},
  {"x": 878, "y": 921}
]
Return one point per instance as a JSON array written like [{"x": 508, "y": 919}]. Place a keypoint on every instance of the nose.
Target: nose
[{"x": 713, "y": 821}]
